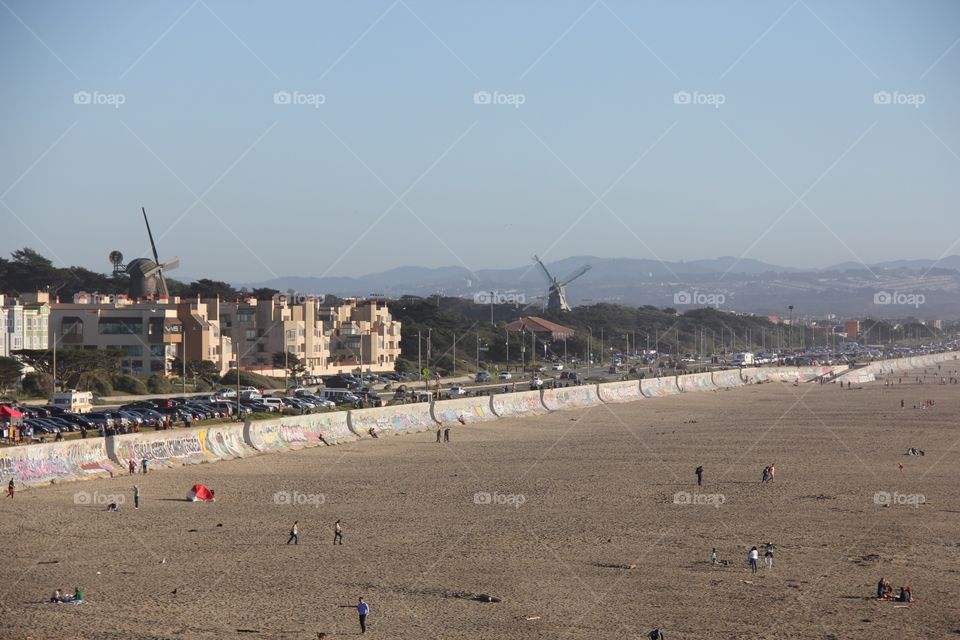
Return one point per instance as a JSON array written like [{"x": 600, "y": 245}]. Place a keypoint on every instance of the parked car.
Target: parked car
[
  {"x": 484, "y": 376},
  {"x": 456, "y": 392},
  {"x": 558, "y": 366},
  {"x": 506, "y": 375},
  {"x": 101, "y": 419}
]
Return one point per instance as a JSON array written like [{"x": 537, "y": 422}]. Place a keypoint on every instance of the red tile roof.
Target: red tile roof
[{"x": 539, "y": 325}]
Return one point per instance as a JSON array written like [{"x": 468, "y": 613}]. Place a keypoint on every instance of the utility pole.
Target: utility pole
[
  {"x": 419, "y": 359},
  {"x": 54, "y": 361},
  {"x": 505, "y": 331},
  {"x": 183, "y": 383},
  {"x": 454, "y": 354}
]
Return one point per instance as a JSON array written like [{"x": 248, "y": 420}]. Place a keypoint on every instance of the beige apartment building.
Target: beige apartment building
[
  {"x": 328, "y": 339},
  {"x": 152, "y": 333},
  {"x": 364, "y": 331},
  {"x": 261, "y": 328}
]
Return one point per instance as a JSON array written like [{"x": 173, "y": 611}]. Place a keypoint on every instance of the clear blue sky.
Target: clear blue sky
[{"x": 287, "y": 189}]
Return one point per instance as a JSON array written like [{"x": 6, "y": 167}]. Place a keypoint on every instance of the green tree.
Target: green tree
[
  {"x": 74, "y": 366},
  {"x": 10, "y": 372},
  {"x": 294, "y": 365}
]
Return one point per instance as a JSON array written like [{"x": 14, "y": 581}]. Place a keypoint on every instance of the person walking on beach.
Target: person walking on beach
[
  {"x": 773, "y": 470},
  {"x": 337, "y": 533},
  {"x": 363, "y": 609},
  {"x": 752, "y": 558},
  {"x": 136, "y": 496},
  {"x": 294, "y": 533},
  {"x": 11, "y": 488},
  {"x": 446, "y": 434},
  {"x": 713, "y": 557},
  {"x": 766, "y": 475},
  {"x": 143, "y": 464},
  {"x": 699, "y": 473},
  {"x": 768, "y": 556},
  {"x": 438, "y": 435},
  {"x": 132, "y": 466}
]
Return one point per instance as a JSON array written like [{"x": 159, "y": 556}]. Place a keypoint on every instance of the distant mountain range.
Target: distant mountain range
[{"x": 743, "y": 284}]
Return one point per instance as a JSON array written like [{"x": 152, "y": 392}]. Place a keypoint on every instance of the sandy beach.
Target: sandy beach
[{"x": 586, "y": 524}]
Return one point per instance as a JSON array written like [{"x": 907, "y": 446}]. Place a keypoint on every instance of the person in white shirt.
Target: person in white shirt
[{"x": 752, "y": 557}]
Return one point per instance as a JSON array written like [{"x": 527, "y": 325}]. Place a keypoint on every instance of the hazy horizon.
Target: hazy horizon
[{"x": 345, "y": 140}]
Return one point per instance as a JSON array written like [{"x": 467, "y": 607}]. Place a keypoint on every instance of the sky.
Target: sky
[{"x": 345, "y": 138}]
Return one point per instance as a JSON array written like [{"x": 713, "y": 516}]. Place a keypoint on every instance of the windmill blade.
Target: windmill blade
[
  {"x": 171, "y": 264},
  {"x": 153, "y": 246},
  {"x": 582, "y": 270},
  {"x": 151, "y": 272},
  {"x": 543, "y": 268}
]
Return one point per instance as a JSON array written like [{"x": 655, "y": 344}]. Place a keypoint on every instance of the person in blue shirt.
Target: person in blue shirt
[{"x": 362, "y": 610}]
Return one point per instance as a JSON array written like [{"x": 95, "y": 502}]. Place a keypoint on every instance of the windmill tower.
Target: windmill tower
[
  {"x": 557, "y": 292},
  {"x": 146, "y": 276}
]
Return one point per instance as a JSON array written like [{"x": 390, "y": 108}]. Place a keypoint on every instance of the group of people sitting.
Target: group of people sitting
[
  {"x": 885, "y": 592},
  {"x": 59, "y": 596}
]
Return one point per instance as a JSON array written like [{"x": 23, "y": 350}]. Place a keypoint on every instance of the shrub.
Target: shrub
[
  {"x": 130, "y": 385},
  {"x": 37, "y": 384},
  {"x": 158, "y": 384}
]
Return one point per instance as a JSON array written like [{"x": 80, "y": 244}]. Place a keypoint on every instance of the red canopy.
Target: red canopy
[
  {"x": 199, "y": 492},
  {"x": 9, "y": 412}
]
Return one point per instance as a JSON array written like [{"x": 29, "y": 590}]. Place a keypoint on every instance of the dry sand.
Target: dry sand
[{"x": 598, "y": 489}]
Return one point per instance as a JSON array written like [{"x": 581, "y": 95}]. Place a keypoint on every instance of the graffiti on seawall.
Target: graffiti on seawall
[
  {"x": 172, "y": 448},
  {"x": 62, "y": 461}
]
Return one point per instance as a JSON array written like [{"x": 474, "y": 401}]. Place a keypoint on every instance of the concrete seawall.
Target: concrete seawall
[
  {"x": 695, "y": 382},
  {"x": 297, "y": 432},
  {"x": 41, "y": 464},
  {"x": 616, "y": 392},
  {"x": 727, "y": 378},
  {"x": 449, "y": 413},
  {"x": 659, "y": 387},
  {"x": 160, "y": 448},
  {"x": 581, "y": 397},
  {"x": 403, "y": 418},
  {"x": 517, "y": 405}
]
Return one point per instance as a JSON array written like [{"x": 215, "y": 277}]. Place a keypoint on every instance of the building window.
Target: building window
[
  {"x": 251, "y": 334},
  {"x": 113, "y": 326},
  {"x": 132, "y": 350},
  {"x": 71, "y": 326},
  {"x": 245, "y": 315}
]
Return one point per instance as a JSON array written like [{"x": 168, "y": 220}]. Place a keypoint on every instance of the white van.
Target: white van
[
  {"x": 274, "y": 403},
  {"x": 339, "y": 396}
]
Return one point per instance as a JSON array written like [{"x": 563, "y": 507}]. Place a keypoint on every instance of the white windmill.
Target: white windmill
[{"x": 557, "y": 293}]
